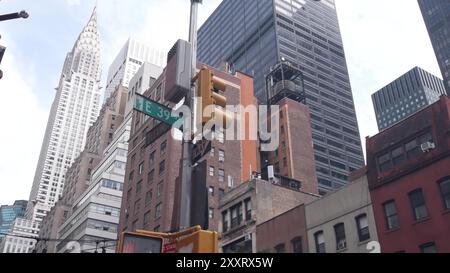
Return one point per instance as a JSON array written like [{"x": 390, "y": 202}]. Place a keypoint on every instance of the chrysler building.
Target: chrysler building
[{"x": 74, "y": 109}]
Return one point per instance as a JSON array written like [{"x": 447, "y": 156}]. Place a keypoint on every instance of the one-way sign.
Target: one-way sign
[{"x": 155, "y": 110}]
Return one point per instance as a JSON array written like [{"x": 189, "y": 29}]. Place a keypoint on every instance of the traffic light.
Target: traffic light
[
  {"x": 137, "y": 242},
  {"x": 208, "y": 88}
]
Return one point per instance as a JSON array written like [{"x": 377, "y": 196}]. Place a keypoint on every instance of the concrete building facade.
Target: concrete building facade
[
  {"x": 22, "y": 238},
  {"x": 285, "y": 233},
  {"x": 342, "y": 222},
  {"x": 251, "y": 204},
  {"x": 130, "y": 58},
  {"x": 95, "y": 214}
]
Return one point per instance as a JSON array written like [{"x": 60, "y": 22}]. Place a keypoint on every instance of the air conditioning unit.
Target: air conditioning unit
[
  {"x": 248, "y": 237},
  {"x": 342, "y": 245},
  {"x": 427, "y": 147}
]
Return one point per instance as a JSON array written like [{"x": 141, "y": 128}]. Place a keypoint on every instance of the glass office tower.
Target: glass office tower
[
  {"x": 9, "y": 213},
  {"x": 436, "y": 14},
  {"x": 253, "y": 35}
]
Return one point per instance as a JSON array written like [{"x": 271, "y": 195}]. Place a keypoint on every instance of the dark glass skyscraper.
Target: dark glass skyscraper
[
  {"x": 436, "y": 14},
  {"x": 254, "y": 35},
  {"x": 407, "y": 95}
]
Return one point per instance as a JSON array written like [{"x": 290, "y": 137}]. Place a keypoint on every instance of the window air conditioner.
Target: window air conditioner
[{"x": 427, "y": 147}]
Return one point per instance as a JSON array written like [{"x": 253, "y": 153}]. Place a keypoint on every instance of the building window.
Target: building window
[
  {"x": 150, "y": 177},
  {"x": 152, "y": 158},
  {"x": 137, "y": 207},
  {"x": 211, "y": 171},
  {"x": 162, "y": 167},
  {"x": 211, "y": 153},
  {"x": 445, "y": 191},
  {"x": 130, "y": 176},
  {"x": 211, "y": 213},
  {"x": 297, "y": 246},
  {"x": 362, "y": 224},
  {"x": 147, "y": 217},
  {"x": 129, "y": 195},
  {"x": 141, "y": 168},
  {"x": 341, "y": 242},
  {"x": 418, "y": 204},
  {"x": 221, "y": 175},
  {"x": 159, "y": 189},
  {"x": 221, "y": 156},
  {"x": 158, "y": 211},
  {"x": 428, "y": 248},
  {"x": 248, "y": 209},
  {"x": 412, "y": 149},
  {"x": 390, "y": 211},
  {"x": 236, "y": 216},
  {"x": 280, "y": 248},
  {"x": 163, "y": 147},
  {"x": 384, "y": 162},
  {"x": 148, "y": 197},
  {"x": 211, "y": 191},
  {"x": 221, "y": 193},
  {"x": 138, "y": 188},
  {"x": 398, "y": 156},
  {"x": 320, "y": 242},
  {"x": 225, "y": 221}
]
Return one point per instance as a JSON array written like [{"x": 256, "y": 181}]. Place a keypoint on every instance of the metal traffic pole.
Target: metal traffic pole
[{"x": 186, "y": 179}]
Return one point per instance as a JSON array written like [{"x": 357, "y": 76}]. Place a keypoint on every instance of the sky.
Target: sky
[{"x": 382, "y": 39}]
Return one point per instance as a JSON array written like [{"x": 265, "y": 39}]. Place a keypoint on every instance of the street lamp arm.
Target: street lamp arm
[{"x": 21, "y": 14}]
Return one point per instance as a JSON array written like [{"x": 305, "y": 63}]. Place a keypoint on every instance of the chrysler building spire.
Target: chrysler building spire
[{"x": 74, "y": 109}]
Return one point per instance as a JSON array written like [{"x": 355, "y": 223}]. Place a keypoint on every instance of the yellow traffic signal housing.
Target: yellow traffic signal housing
[
  {"x": 192, "y": 240},
  {"x": 207, "y": 89},
  {"x": 138, "y": 242}
]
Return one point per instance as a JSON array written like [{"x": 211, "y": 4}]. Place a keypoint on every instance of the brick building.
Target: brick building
[
  {"x": 151, "y": 200},
  {"x": 409, "y": 180}
]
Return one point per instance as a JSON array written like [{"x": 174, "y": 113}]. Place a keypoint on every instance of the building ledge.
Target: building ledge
[
  {"x": 392, "y": 231},
  {"x": 417, "y": 222}
]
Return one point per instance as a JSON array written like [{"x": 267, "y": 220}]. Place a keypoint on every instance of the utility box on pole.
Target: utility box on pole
[{"x": 178, "y": 71}]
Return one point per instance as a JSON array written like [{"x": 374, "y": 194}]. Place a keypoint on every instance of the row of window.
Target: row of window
[
  {"x": 418, "y": 205},
  {"x": 403, "y": 152},
  {"x": 362, "y": 225},
  {"x": 233, "y": 218}
]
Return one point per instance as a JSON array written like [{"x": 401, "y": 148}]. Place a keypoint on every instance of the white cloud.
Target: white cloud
[{"x": 23, "y": 123}]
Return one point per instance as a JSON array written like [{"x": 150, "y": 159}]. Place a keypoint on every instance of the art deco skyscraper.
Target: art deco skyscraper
[
  {"x": 74, "y": 109},
  {"x": 253, "y": 35},
  {"x": 436, "y": 16}
]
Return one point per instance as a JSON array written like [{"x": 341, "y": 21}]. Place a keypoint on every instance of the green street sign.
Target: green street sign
[{"x": 155, "y": 110}]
